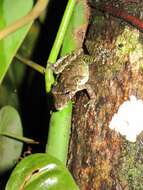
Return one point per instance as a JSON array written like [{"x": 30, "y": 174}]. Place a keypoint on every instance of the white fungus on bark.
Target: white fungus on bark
[{"x": 128, "y": 121}]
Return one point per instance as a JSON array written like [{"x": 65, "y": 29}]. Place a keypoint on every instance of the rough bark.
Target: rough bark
[{"x": 99, "y": 158}]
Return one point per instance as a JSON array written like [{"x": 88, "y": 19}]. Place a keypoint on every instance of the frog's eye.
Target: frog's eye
[
  {"x": 67, "y": 93},
  {"x": 120, "y": 45}
]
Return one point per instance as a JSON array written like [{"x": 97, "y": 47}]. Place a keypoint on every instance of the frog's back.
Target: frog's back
[{"x": 76, "y": 73}]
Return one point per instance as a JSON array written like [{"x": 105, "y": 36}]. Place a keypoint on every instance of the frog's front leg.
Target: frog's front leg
[{"x": 62, "y": 62}]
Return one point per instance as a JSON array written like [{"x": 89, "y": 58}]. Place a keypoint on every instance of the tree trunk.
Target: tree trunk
[{"x": 99, "y": 157}]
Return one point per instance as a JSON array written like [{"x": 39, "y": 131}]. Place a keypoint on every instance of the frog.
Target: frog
[{"x": 72, "y": 72}]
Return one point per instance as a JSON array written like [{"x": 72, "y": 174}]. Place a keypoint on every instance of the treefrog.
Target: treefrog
[{"x": 73, "y": 75}]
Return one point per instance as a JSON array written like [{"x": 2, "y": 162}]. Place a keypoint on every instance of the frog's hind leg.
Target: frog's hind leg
[{"x": 91, "y": 94}]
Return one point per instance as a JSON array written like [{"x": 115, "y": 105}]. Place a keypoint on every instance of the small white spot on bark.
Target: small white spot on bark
[{"x": 128, "y": 121}]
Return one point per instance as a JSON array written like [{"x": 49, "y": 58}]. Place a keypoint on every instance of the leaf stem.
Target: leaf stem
[
  {"x": 59, "y": 133},
  {"x": 60, "y": 122},
  {"x": 49, "y": 78},
  {"x": 61, "y": 32},
  {"x": 31, "y": 64},
  {"x": 23, "y": 139},
  {"x": 35, "y": 12}
]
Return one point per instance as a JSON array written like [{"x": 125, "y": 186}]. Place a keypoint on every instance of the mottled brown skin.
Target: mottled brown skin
[{"x": 73, "y": 77}]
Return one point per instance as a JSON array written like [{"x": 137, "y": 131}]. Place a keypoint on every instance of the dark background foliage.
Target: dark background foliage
[{"x": 34, "y": 104}]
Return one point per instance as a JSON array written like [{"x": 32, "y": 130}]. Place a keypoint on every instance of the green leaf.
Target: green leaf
[
  {"x": 8, "y": 96},
  {"x": 77, "y": 27},
  {"x": 10, "y": 149},
  {"x": 42, "y": 172},
  {"x": 11, "y": 11}
]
